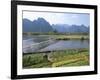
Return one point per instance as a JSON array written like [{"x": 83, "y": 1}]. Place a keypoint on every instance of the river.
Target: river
[{"x": 45, "y": 43}]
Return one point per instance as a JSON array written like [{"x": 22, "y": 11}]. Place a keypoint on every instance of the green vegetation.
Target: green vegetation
[
  {"x": 67, "y": 36},
  {"x": 53, "y": 33},
  {"x": 72, "y": 37},
  {"x": 64, "y": 58}
]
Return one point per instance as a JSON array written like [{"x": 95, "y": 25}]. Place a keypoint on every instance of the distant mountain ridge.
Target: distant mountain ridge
[
  {"x": 64, "y": 28},
  {"x": 41, "y": 25}
]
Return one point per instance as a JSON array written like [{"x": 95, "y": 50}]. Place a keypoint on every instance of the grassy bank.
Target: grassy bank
[
  {"x": 72, "y": 37},
  {"x": 67, "y": 36},
  {"x": 54, "y": 33},
  {"x": 70, "y": 57}
]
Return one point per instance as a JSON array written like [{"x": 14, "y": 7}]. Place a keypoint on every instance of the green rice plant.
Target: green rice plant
[
  {"x": 64, "y": 62},
  {"x": 68, "y": 57}
]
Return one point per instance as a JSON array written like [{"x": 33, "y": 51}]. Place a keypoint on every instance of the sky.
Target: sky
[{"x": 59, "y": 18}]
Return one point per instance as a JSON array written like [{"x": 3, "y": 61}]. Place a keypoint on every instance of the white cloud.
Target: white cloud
[{"x": 74, "y": 16}]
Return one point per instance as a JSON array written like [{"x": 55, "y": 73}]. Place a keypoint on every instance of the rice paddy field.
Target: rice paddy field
[{"x": 64, "y": 58}]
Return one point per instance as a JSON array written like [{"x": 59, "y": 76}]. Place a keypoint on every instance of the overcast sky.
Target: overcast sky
[{"x": 59, "y": 18}]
